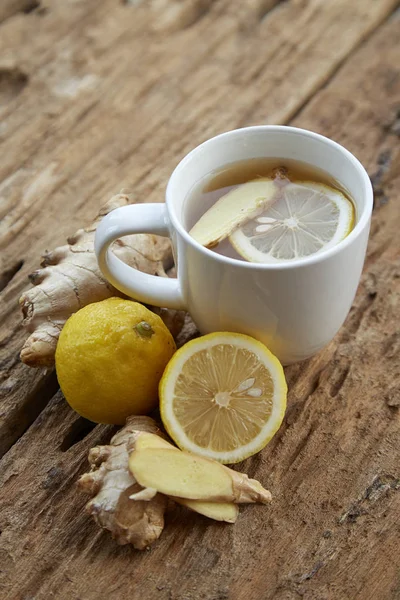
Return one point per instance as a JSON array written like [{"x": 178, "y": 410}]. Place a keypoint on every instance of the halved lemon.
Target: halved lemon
[
  {"x": 223, "y": 396},
  {"x": 306, "y": 218}
]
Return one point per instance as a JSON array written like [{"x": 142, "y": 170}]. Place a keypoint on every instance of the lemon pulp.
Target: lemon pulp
[
  {"x": 223, "y": 396},
  {"x": 306, "y": 218}
]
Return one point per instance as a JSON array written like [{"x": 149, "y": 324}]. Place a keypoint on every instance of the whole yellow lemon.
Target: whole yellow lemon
[{"x": 109, "y": 360}]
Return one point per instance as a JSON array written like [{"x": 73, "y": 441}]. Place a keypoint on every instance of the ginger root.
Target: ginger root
[
  {"x": 110, "y": 482},
  {"x": 126, "y": 500},
  {"x": 70, "y": 279},
  {"x": 138, "y": 521}
]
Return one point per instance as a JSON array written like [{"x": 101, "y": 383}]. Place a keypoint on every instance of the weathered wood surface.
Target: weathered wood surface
[{"x": 100, "y": 95}]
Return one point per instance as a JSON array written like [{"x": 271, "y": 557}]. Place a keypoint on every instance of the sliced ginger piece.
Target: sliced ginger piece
[
  {"x": 183, "y": 475},
  {"x": 233, "y": 209},
  {"x": 150, "y": 440},
  {"x": 219, "y": 511}
]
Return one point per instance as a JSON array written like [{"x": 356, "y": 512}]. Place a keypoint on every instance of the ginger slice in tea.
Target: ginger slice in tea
[{"x": 232, "y": 210}]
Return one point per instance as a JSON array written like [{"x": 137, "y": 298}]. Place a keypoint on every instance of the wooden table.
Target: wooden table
[{"x": 99, "y": 95}]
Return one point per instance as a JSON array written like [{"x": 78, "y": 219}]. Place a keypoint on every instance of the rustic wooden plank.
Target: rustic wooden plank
[
  {"x": 89, "y": 112},
  {"x": 332, "y": 530}
]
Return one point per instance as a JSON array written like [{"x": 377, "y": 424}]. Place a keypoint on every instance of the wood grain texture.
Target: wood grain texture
[
  {"x": 113, "y": 99},
  {"x": 333, "y": 468}
]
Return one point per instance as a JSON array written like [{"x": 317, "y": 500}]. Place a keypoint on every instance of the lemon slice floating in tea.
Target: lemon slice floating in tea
[
  {"x": 223, "y": 396},
  {"x": 306, "y": 218}
]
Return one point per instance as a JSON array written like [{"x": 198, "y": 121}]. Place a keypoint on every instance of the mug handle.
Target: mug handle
[{"x": 127, "y": 220}]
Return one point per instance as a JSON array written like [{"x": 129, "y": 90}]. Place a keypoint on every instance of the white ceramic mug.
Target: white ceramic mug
[{"x": 295, "y": 308}]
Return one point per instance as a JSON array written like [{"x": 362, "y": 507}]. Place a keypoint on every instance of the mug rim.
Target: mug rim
[{"x": 292, "y": 264}]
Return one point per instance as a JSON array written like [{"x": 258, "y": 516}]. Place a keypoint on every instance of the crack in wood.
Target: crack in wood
[
  {"x": 392, "y": 124},
  {"x": 315, "y": 383},
  {"x": 9, "y": 8},
  {"x": 357, "y": 315},
  {"x": 6, "y": 366},
  {"x": 30, "y": 6},
  {"x": 303, "y": 443},
  {"x": 380, "y": 488},
  {"x": 293, "y": 411},
  {"x": 7, "y": 275},
  {"x": 76, "y": 433},
  {"x": 12, "y": 82},
  {"x": 378, "y": 178},
  {"x": 25, "y": 414},
  {"x": 312, "y": 573},
  {"x": 339, "y": 382},
  {"x": 86, "y": 111}
]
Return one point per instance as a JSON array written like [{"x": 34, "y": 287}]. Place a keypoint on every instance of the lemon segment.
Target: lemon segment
[
  {"x": 306, "y": 218},
  {"x": 223, "y": 396}
]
